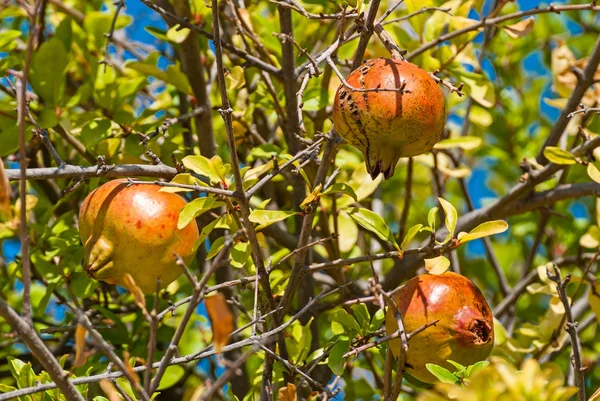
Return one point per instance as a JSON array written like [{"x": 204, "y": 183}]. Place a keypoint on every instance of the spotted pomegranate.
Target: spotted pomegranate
[
  {"x": 133, "y": 229},
  {"x": 388, "y": 125},
  {"x": 464, "y": 332}
]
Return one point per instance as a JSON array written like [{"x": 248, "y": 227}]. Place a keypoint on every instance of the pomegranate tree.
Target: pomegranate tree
[
  {"x": 464, "y": 331},
  {"x": 387, "y": 125},
  {"x": 133, "y": 229}
]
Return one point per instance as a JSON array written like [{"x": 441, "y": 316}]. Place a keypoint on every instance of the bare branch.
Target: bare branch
[{"x": 571, "y": 328}]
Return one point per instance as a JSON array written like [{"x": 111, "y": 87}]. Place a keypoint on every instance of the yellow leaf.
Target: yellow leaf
[
  {"x": 137, "y": 293},
  {"x": 221, "y": 319},
  {"x": 437, "y": 265},
  {"x": 178, "y": 34},
  {"x": 235, "y": 79},
  {"x": 260, "y": 237},
  {"x": 30, "y": 202},
  {"x": 463, "y": 142},
  {"x": 591, "y": 239},
  {"x": 483, "y": 230},
  {"x": 594, "y": 300},
  {"x": 5, "y": 209},
  {"x": 287, "y": 393},
  {"x": 312, "y": 197},
  {"x": 519, "y": 29},
  {"x": 80, "y": 356},
  {"x": 593, "y": 172}
]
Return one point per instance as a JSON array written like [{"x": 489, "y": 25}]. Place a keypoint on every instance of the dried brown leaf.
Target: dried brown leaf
[
  {"x": 80, "y": 354},
  {"x": 110, "y": 390},
  {"x": 126, "y": 358},
  {"x": 5, "y": 209},
  {"x": 519, "y": 29},
  {"x": 287, "y": 393},
  {"x": 137, "y": 293},
  {"x": 221, "y": 318}
]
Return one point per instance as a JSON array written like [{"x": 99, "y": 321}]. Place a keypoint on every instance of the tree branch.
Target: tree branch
[
  {"x": 583, "y": 83},
  {"x": 40, "y": 351}
]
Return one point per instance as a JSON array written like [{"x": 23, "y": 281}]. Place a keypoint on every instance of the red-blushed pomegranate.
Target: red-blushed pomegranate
[
  {"x": 465, "y": 329},
  {"x": 388, "y": 125},
  {"x": 133, "y": 229}
]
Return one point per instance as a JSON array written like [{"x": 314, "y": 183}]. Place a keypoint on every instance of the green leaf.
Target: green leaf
[
  {"x": 345, "y": 319},
  {"x": 457, "y": 365},
  {"x": 201, "y": 165},
  {"x": 206, "y": 230},
  {"x": 195, "y": 208},
  {"x": 431, "y": 216},
  {"x": 437, "y": 265},
  {"x": 410, "y": 235},
  {"x": 82, "y": 285},
  {"x": 216, "y": 247},
  {"x": 442, "y": 374},
  {"x": 451, "y": 215},
  {"x": 26, "y": 376},
  {"x": 213, "y": 168},
  {"x": 97, "y": 24},
  {"x": 184, "y": 179},
  {"x": 336, "y": 357},
  {"x": 240, "y": 254},
  {"x": 362, "y": 316},
  {"x": 15, "y": 365},
  {"x": 7, "y": 39},
  {"x": 593, "y": 172},
  {"x": 173, "y": 75},
  {"x": 4, "y": 388},
  {"x": 559, "y": 156},
  {"x": 472, "y": 369},
  {"x": 483, "y": 230},
  {"x": 172, "y": 375},
  {"x": 47, "y": 75},
  {"x": 267, "y": 217},
  {"x": 378, "y": 319},
  {"x": 341, "y": 188},
  {"x": 372, "y": 222},
  {"x": 463, "y": 142}
]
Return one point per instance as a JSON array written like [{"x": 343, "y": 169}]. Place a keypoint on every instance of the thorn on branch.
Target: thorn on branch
[
  {"x": 72, "y": 187},
  {"x": 155, "y": 159},
  {"x": 102, "y": 167},
  {"x": 453, "y": 89}
]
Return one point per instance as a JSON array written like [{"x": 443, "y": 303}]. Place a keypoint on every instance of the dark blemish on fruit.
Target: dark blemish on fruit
[{"x": 139, "y": 224}]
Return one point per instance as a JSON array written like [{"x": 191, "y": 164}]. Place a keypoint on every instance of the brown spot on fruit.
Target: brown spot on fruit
[
  {"x": 138, "y": 224},
  {"x": 396, "y": 124},
  {"x": 464, "y": 332}
]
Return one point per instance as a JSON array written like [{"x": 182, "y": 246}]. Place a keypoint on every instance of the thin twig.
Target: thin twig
[
  {"x": 407, "y": 196},
  {"x": 571, "y": 328}
]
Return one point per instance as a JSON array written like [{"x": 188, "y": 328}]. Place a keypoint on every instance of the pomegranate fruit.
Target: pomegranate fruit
[
  {"x": 388, "y": 125},
  {"x": 133, "y": 229},
  {"x": 464, "y": 332}
]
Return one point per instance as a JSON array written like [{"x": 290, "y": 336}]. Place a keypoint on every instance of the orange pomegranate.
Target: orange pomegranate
[
  {"x": 388, "y": 125},
  {"x": 464, "y": 332},
  {"x": 133, "y": 229}
]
